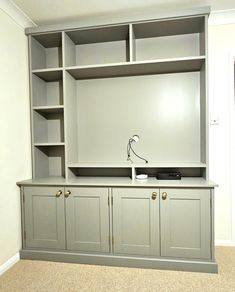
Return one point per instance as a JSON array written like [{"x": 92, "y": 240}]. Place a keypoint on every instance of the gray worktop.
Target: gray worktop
[{"x": 186, "y": 182}]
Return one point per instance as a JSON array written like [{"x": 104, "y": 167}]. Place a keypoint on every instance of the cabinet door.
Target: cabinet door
[
  {"x": 87, "y": 219},
  {"x": 136, "y": 221},
  {"x": 185, "y": 223},
  {"x": 44, "y": 217}
]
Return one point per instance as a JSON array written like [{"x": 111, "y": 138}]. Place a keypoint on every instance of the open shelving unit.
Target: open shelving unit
[{"x": 94, "y": 87}]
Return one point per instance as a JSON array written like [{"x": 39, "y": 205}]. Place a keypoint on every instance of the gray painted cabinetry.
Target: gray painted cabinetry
[
  {"x": 143, "y": 221},
  {"x": 93, "y": 86},
  {"x": 85, "y": 211}
]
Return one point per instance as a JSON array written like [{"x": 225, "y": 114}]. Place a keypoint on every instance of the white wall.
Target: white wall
[
  {"x": 15, "y": 149},
  {"x": 221, "y": 102}
]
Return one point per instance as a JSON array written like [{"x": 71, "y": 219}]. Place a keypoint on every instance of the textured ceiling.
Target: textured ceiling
[{"x": 51, "y": 11}]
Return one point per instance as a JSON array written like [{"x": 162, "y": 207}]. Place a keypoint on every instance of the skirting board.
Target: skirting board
[
  {"x": 9, "y": 263},
  {"x": 121, "y": 261},
  {"x": 224, "y": 243}
]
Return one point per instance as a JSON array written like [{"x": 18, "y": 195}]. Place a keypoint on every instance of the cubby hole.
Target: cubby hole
[
  {"x": 97, "y": 46},
  {"x": 185, "y": 171},
  {"x": 177, "y": 38},
  {"x": 48, "y": 127},
  {"x": 46, "y": 93},
  {"x": 49, "y": 161},
  {"x": 101, "y": 172},
  {"x": 46, "y": 51}
]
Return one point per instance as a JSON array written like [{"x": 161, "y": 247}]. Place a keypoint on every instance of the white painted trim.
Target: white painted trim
[
  {"x": 12, "y": 10},
  {"x": 232, "y": 139},
  {"x": 222, "y": 17},
  {"x": 224, "y": 243},
  {"x": 9, "y": 263}
]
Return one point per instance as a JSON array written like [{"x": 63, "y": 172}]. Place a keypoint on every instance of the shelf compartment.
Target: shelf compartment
[
  {"x": 97, "y": 45},
  {"x": 185, "y": 171},
  {"x": 46, "y": 51},
  {"x": 46, "y": 93},
  {"x": 169, "y": 38},
  {"x": 49, "y": 161},
  {"x": 48, "y": 127},
  {"x": 162, "y": 66},
  {"x": 100, "y": 171}
]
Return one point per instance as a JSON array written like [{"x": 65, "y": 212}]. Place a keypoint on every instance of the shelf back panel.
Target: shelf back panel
[
  {"x": 164, "y": 110},
  {"x": 175, "y": 46}
]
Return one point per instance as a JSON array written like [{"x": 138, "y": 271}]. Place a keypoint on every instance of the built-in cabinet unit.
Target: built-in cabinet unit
[{"x": 92, "y": 88}]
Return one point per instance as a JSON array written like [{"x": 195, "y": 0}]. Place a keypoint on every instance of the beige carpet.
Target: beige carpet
[{"x": 31, "y": 276}]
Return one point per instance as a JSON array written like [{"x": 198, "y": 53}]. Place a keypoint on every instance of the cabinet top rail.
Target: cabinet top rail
[{"x": 118, "y": 19}]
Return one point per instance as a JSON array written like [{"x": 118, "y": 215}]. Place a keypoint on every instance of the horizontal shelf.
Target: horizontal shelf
[
  {"x": 49, "y": 144},
  {"x": 120, "y": 182},
  {"x": 49, "y": 75},
  {"x": 49, "y": 109},
  {"x": 145, "y": 165},
  {"x": 77, "y": 165},
  {"x": 161, "y": 66}
]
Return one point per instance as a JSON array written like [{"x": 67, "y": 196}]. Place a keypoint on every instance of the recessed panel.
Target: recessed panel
[
  {"x": 135, "y": 228},
  {"x": 185, "y": 215},
  {"x": 87, "y": 219},
  {"x": 44, "y": 222}
]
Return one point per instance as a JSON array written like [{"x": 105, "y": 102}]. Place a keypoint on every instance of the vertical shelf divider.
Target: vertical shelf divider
[
  {"x": 64, "y": 96},
  {"x": 133, "y": 173},
  {"x": 132, "y": 43}
]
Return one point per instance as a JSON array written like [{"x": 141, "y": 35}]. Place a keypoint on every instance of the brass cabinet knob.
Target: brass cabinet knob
[
  {"x": 58, "y": 194},
  {"x": 164, "y": 195},
  {"x": 154, "y": 196},
  {"x": 67, "y": 193}
]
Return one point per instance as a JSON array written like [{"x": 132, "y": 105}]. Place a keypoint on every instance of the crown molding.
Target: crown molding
[
  {"x": 222, "y": 17},
  {"x": 13, "y": 11}
]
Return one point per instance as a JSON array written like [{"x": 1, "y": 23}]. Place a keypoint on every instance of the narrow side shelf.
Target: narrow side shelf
[
  {"x": 49, "y": 109},
  {"x": 49, "y": 144},
  {"x": 49, "y": 75}
]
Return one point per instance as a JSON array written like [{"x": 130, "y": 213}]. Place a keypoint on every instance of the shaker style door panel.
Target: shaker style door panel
[
  {"x": 136, "y": 221},
  {"x": 185, "y": 223},
  {"x": 87, "y": 219},
  {"x": 44, "y": 217}
]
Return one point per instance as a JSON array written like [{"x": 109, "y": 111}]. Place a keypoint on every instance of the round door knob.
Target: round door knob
[
  {"x": 67, "y": 193},
  {"x": 164, "y": 195},
  {"x": 59, "y": 193},
  {"x": 154, "y": 196}
]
